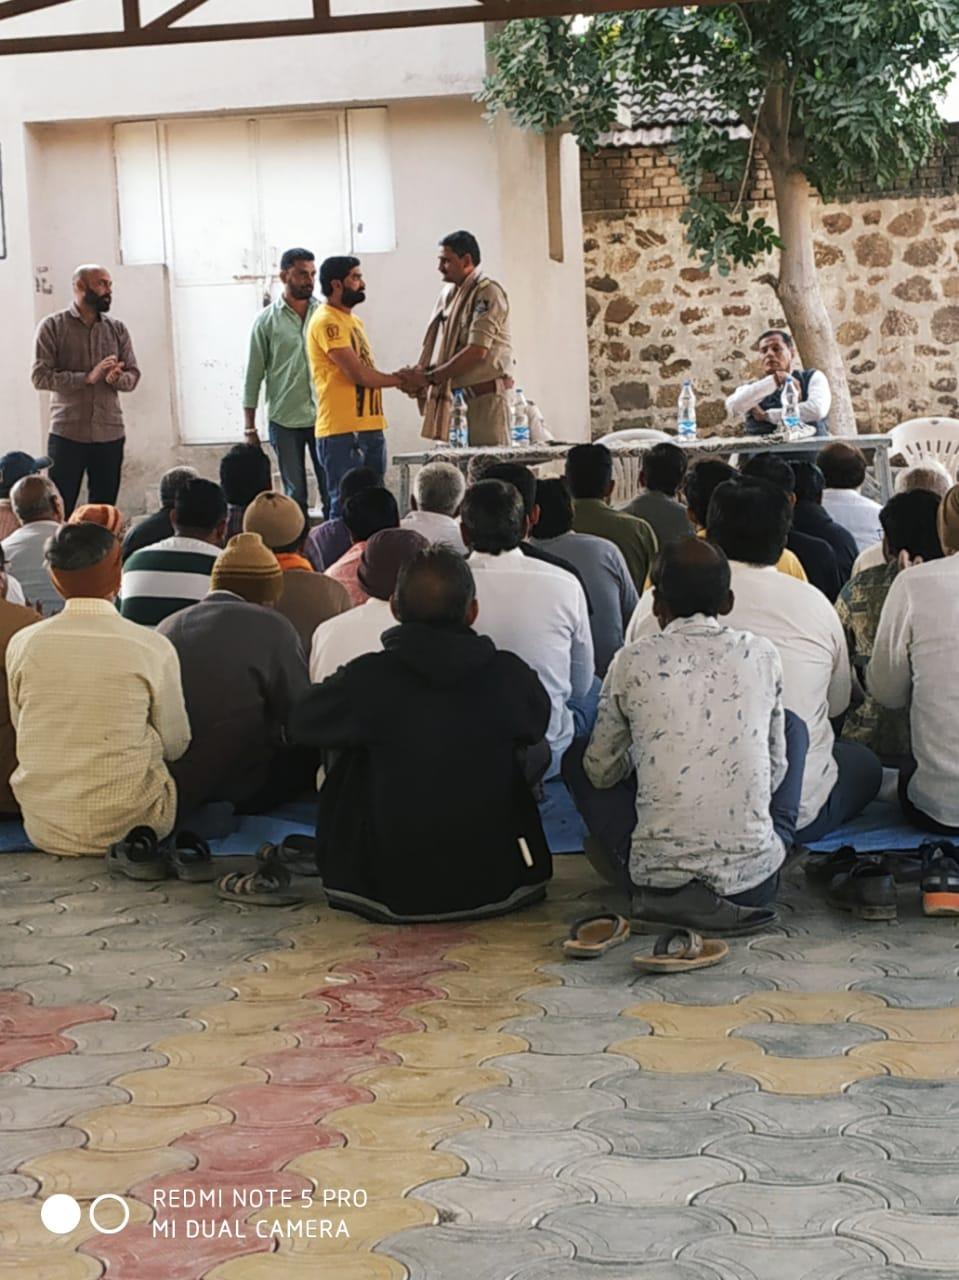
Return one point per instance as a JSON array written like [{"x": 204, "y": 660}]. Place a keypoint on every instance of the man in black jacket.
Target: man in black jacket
[
  {"x": 426, "y": 813},
  {"x": 812, "y": 518},
  {"x": 814, "y": 554}
]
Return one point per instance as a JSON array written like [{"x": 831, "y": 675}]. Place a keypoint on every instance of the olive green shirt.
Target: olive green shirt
[
  {"x": 278, "y": 355},
  {"x": 634, "y": 537}
]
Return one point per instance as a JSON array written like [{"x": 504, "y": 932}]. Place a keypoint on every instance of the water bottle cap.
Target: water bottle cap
[{"x": 687, "y": 382}]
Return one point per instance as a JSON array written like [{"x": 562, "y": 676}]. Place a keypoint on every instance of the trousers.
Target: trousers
[{"x": 102, "y": 463}]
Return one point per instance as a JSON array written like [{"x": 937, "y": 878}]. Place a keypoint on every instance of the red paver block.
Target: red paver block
[
  {"x": 324, "y": 1032},
  {"x": 218, "y": 1198},
  {"x": 27, "y": 1020},
  {"x": 20, "y": 1049},
  {"x": 239, "y": 1149},
  {"x": 336, "y": 1065},
  {"x": 278, "y": 1104},
  {"x": 136, "y": 1254},
  {"x": 368, "y": 997}
]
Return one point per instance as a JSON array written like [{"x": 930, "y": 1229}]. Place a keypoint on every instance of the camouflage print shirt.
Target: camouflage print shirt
[{"x": 859, "y": 606}]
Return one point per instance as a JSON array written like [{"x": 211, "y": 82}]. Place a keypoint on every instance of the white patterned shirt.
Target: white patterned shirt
[{"x": 698, "y": 708}]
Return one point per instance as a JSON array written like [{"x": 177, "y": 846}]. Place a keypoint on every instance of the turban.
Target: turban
[{"x": 97, "y": 582}]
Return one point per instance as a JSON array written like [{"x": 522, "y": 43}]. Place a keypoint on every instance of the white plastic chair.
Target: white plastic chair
[
  {"x": 924, "y": 439},
  {"x": 626, "y": 469}
]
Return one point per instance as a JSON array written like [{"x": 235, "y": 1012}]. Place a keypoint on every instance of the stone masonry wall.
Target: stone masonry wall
[{"x": 889, "y": 265}]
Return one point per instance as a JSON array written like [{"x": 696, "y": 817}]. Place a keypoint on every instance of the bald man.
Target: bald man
[
  {"x": 85, "y": 358},
  {"x": 38, "y": 508}
]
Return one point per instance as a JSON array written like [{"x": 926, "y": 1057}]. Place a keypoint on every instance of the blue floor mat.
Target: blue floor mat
[{"x": 879, "y": 826}]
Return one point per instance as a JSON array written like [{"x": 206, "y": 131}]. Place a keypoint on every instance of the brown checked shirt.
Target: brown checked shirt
[{"x": 66, "y": 351}]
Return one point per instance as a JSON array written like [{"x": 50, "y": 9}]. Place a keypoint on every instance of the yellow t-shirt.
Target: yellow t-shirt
[{"x": 341, "y": 406}]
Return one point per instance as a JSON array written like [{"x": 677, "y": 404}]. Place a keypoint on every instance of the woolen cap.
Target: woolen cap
[
  {"x": 249, "y": 569},
  {"x": 948, "y": 521},
  {"x": 278, "y": 520},
  {"x": 98, "y": 513},
  {"x": 384, "y": 556}
]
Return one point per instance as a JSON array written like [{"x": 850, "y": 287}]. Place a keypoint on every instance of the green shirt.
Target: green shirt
[
  {"x": 634, "y": 537},
  {"x": 859, "y": 607},
  {"x": 278, "y": 354}
]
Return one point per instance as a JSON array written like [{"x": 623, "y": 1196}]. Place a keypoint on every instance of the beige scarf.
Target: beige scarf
[{"x": 436, "y": 403}]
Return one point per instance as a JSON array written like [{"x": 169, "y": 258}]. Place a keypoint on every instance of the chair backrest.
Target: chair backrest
[
  {"x": 626, "y": 469},
  {"x": 922, "y": 439}
]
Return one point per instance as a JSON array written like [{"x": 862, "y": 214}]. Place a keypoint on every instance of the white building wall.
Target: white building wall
[{"x": 450, "y": 170}]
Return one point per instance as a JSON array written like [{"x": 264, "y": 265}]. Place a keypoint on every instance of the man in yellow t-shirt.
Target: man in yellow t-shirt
[{"x": 349, "y": 388}]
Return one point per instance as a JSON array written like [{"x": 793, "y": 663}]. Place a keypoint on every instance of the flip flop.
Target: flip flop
[
  {"x": 137, "y": 856},
  {"x": 190, "y": 859},
  {"x": 264, "y": 887},
  {"x": 595, "y": 935},
  {"x": 298, "y": 853},
  {"x": 693, "y": 952}
]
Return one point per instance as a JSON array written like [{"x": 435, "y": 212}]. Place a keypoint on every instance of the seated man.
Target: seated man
[
  {"x": 175, "y": 572},
  {"x": 39, "y": 508},
  {"x": 931, "y": 476},
  {"x": 97, "y": 706},
  {"x": 697, "y": 709},
  {"x": 244, "y": 472},
  {"x": 913, "y": 666},
  {"x": 816, "y": 556},
  {"x": 609, "y": 586},
  {"x": 331, "y": 539},
  {"x": 308, "y": 598},
  {"x": 589, "y": 474},
  {"x": 760, "y": 403},
  {"x": 844, "y": 470},
  {"x": 438, "y": 490},
  {"x": 911, "y": 537},
  {"x": 360, "y": 630},
  {"x": 811, "y": 518},
  {"x": 532, "y": 609},
  {"x": 243, "y": 668},
  {"x": 705, "y": 476},
  {"x": 661, "y": 474},
  {"x": 13, "y": 467},
  {"x": 159, "y": 525},
  {"x": 749, "y": 520},
  {"x": 13, "y": 618},
  {"x": 425, "y": 813},
  {"x": 366, "y": 513}
]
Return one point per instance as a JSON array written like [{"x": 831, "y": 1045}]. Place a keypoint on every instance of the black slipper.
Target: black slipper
[
  {"x": 138, "y": 856},
  {"x": 190, "y": 859}
]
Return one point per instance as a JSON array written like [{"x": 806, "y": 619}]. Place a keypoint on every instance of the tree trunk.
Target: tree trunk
[{"x": 799, "y": 292}]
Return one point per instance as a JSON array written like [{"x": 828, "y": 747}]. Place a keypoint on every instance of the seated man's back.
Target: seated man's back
[{"x": 422, "y": 812}]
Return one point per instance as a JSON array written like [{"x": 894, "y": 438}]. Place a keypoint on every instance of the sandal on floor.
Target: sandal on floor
[
  {"x": 265, "y": 887},
  {"x": 190, "y": 859},
  {"x": 680, "y": 950},
  {"x": 595, "y": 935},
  {"x": 138, "y": 856},
  {"x": 298, "y": 853}
]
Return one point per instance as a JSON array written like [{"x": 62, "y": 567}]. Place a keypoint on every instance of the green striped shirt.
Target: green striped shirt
[{"x": 164, "y": 578}]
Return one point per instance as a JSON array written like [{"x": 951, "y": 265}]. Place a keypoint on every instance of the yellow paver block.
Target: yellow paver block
[
  {"x": 682, "y": 1056},
  {"x": 132, "y": 1127},
  {"x": 928, "y": 1026},
  {"x": 693, "y": 1021},
  {"x": 237, "y": 1017},
  {"x": 811, "y": 1076},
  {"x": 910, "y": 1060},
  {"x": 460, "y": 1016},
  {"x": 472, "y": 988},
  {"x": 381, "y": 1174},
  {"x": 179, "y": 1086},
  {"x": 213, "y": 1050},
  {"x": 452, "y": 1048},
  {"x": 364, "y": 1227},
  {"x": 810, "y": 1007},
  {"x": 85, "y": 1174},
  {"x": 21, "y": 1231},
  {"x": 386, "y": 1127},
  {"x": 284, "y": 1266},
  {"x": 15, "y": 1265},
  {"x": 278, "y": 986},
  {"x": 421, "y": 1086}
]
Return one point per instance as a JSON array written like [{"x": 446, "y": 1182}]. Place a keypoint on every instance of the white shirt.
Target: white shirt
[
  {"x": 699, "y": 707},
  {"x": 857, "y": 514},
  {"x": 539, "y": 613},
  {"x": 341, "y": 639},
  {"x": 814, "y": 408},
  {"x": 914, "y": 665},
  {"x": 806, "y": 630},
  {"x": 871, "y": 558},
  {"x": 437, "y": 529},
  {"x": 14, "y": 594},
  {"x": 23, "y": 553}
]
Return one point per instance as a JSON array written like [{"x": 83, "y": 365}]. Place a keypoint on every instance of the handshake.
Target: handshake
[{"x": 410, "y": 380}]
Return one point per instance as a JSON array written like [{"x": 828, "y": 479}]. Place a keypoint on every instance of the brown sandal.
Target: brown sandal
[
  {"x": 692, "y": 952},
  {"x": 595, "y": 935}
]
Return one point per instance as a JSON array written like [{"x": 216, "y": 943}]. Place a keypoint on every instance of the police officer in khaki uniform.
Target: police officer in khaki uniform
[{"x": 467, "y": 348}]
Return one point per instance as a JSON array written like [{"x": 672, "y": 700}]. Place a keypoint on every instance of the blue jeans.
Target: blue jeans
[
  {"x": 860, "y": 777},
  {"x": 584, "y": 712},
  {"x": 339, "y": 454},
  {"x": 290, "y": 444}
]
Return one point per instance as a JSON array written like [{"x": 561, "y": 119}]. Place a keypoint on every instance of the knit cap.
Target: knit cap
[
  {"x": 278, "y": 520},
  {"x": 98, "y": 513},
  {"x": 249, "y": 569},
  {"x": 948, "y": 521},
  {"x": 384, "y": 556}
]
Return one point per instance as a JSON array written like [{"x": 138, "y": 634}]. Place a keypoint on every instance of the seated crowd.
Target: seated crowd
[{"x": 718, "y": 671}]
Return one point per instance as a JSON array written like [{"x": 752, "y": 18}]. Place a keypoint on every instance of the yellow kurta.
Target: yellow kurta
[{"x": 97, "y": 705}]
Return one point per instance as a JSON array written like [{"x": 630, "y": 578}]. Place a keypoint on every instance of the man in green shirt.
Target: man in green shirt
[
  {"x": 589, "y": 474},
  {"x": 278, "y": 355}
]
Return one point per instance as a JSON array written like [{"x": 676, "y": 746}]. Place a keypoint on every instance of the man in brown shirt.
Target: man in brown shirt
[
  {"x": 85, "y": 359},
  {"x": 13, "y": 618}
]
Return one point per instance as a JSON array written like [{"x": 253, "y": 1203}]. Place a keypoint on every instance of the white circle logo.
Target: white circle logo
[
  {"x": 109, "y": 1231},
  {"x": 60, "y": 1214}
]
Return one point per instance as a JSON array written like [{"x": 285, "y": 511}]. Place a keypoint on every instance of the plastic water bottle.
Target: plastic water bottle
[
  {"x": 520, "y": 414},
  {"x": 790, "y": 403},
  {"x": 686, "y": 412},
  {"x": 459, "y": 422}
]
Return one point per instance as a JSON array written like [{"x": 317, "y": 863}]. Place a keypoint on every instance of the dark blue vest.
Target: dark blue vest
[{"x": 775, "y": 401}]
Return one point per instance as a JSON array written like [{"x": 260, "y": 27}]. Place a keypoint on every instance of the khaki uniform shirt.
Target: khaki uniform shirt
[{"x": 484, "y": 324}]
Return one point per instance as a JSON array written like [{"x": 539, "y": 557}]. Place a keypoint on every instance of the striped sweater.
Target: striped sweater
[{"x": 164, "y": 578}]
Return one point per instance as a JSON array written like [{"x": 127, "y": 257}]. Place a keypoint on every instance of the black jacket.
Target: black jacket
[
  {"x": 424, "y": 806},
  {"x": 149, "y": 531},
  {"x": 815, "y": 521},
  {"x": 819, "y": 560}
]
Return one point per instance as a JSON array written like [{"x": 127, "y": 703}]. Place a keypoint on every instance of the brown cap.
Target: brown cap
[
  {"x": 249, "y": 569},
  {"x": 384, "y": 556},
  {"x": 278, "y": 520}
]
